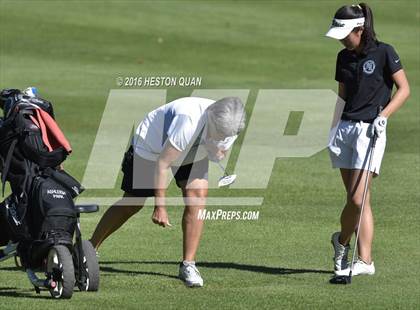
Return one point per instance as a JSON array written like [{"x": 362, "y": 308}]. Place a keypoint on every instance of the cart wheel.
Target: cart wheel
[
  {"x": 89, "y": 281},
  {"x": 18, "y": 262},
  {"x": 60, "y": 268}
]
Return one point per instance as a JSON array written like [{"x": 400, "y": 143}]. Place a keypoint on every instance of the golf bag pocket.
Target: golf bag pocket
[
  {"x": 52, "y": 213},
  {"x": 59, "y": 220},
  {"x": 4, "y": 231},
  {"x": 66, "y": 180},
  {"x": 12, "y": 213},
  {"x": 34, "y": 149},
  {"x": 41, "y": 140}
]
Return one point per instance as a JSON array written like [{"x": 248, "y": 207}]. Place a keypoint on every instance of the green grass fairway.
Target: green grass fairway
[{"x": 73, "y": 51}]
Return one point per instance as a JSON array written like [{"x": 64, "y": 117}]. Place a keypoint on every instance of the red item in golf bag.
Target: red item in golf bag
[{"x": 52, "y": 136}]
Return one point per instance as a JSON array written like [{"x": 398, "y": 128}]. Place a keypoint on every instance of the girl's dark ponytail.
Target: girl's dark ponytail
[
  {"x": 368, "y": 34},
  {"x": 358, "y": 11}
]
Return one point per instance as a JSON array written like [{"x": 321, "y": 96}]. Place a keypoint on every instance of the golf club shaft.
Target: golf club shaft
[
  {"x": 372, "y": 151},
  {"x": 223, "y": 168}
]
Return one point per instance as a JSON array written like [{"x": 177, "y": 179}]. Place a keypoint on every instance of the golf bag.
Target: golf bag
[{"x": 40, "y": 211}]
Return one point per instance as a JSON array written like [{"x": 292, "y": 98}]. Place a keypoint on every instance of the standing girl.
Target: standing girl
[{"x": 366, "y": 72}]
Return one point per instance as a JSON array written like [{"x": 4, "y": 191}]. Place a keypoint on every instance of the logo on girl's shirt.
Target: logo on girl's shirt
[{"x": 369, "y": 66}]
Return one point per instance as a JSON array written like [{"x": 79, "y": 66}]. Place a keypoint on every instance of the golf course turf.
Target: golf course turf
[{"x": 73, "y": 51}]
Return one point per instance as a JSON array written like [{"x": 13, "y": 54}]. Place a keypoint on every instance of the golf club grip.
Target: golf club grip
[
  {"x": 375, "y": 137},
  {"x": 223, "y": 169}
]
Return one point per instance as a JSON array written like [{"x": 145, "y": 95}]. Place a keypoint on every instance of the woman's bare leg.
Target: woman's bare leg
[
  {"x": 192, "y": 226},
  {"x": 114, "y": 218},
  {"x": 354, "y": 181}
]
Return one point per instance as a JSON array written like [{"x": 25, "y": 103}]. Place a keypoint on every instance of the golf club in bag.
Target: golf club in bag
[
  {"x": 347, "y": 279},
  {"x": 39, "y": 222}
]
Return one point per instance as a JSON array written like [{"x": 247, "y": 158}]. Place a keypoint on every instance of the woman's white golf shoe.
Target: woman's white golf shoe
[
  {"x": 359, "y": 268},
  {"x": 189, "y": 273},
  {"x": 341, "y": 253}
]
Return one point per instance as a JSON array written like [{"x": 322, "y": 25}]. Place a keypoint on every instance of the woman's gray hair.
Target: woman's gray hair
[{"x": 227, "y": 115}]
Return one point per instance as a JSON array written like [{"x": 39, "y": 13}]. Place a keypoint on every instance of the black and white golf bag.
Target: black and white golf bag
[{"x": 40, "y": 211}]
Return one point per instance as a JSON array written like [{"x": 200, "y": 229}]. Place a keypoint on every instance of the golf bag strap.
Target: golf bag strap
[{"x": 7, "y": 164}]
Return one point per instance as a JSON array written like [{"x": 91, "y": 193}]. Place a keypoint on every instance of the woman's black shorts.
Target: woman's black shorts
[{"x": 139, "y": 174}]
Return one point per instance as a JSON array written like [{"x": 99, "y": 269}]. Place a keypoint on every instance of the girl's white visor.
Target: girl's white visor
[{"x": 341, "y": 28}]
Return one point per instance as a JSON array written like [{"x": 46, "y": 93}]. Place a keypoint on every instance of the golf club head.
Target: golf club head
[
  {"x": 341, "y": 280},
  {"x": 227, "y": 180}
]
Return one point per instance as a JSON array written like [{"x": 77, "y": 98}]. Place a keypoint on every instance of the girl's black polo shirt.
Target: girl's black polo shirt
[{"x": 368, "y": 79}]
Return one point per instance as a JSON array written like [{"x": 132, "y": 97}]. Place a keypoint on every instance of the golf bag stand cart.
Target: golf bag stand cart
[{"x": 39, "y": 222}]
